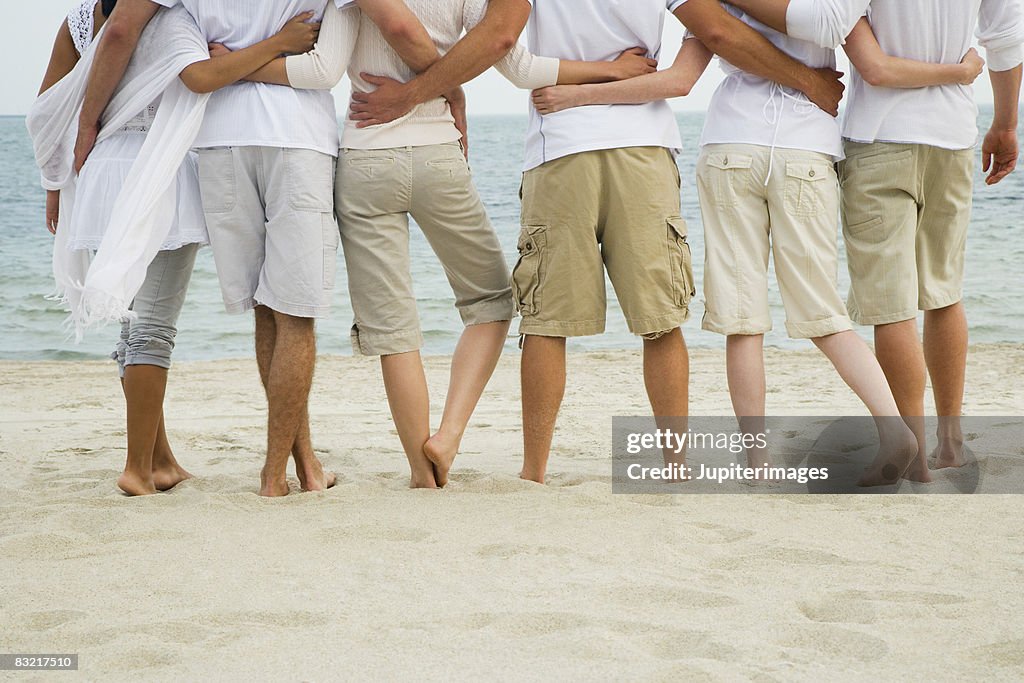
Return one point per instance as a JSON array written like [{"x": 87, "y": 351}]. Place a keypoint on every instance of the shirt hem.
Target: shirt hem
[{"x": 535, "y": 161}]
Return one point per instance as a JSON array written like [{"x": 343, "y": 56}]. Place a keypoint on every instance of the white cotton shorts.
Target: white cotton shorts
[{"x": 270, "y": 212}]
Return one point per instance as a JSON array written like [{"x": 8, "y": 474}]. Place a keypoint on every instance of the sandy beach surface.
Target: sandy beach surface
[{"x": 493, "y": 578}]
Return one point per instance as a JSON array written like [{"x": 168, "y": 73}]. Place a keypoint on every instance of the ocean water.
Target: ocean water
[{"x": 31, "y": 325}]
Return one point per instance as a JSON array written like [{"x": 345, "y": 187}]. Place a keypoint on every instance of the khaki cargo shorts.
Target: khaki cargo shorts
[
  {"x": 794, "y": 219},
  {"x": 906, "y": 210},
  {"x": 612, "y": 209}
]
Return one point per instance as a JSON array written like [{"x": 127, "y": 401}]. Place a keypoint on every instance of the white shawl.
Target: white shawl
[{"x": 143, "y": 213}]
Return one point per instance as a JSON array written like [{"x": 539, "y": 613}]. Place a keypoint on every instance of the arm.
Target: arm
[
  {"x": 825, "y": 23},
  {"x": 1000, "y": 149},
  {"x": 749, "y": 51},
  {"x": 879, "y": 69},
  {"x": 217, "y": 72},
  {"x": 676, "y": 81},
  {"x": 529, "y": 72},
  {"x": 1001, "y": 33},
  {"x": 324, "y": 67},
  {"x": 62, "y": 60},
  {"x": 120, "y": 36},
  {"x": 403, "y": 31},
  {"x": 479, "y": 50}
]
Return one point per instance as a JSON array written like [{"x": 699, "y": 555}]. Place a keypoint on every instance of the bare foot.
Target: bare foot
[
  {"x": 918, "y": 470},
  {"x": 949, "y": 453},
  {"x": 441, "y": 450},
  {"x": 422, "y": 480},
  {"x": 312, "y": 476},
  {"x": 134, "y": 485},
  {"x": 537, "y": 477},
  {"x": 759, "y": 458},
  {"x": 896, "y": 456},
  {"x": 273, "y": 488},
  {"x": 167, "y": 478}
]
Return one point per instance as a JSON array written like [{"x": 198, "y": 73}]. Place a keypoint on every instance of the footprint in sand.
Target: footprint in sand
[
  {"x": 838, "y": 608},
  {"x": 507, "y": 550},
  {"x": 831, "y": 642},
  {"x": 724, "y": 534},
  {"x": 36, "y": 622},
  {"x": 1004, "y": 654},
  {"x": 679, "y": 644}
]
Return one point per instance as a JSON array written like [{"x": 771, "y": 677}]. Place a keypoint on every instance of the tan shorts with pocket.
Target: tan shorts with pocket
[
  {"x": 906, "y": 210},
  {"x": 794, "y": 218},
  {"x": 378, "y": 190},
  {"x": 614, "y": 209}
]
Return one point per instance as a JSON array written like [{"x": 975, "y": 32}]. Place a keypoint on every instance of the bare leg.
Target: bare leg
[
  {"x": 543, "y": 386},
  {"x": 144, "y": 388},
  {"x": 899, "y": 454},
  {"x": 744, "y": 360},
  {"x": 945, "y": 352},
  {"x": 474, "y": 361},
  {"x": 307, "y": 466},
  {"x": 667, "y": 380},
  {"x": 406, "y": 387},
  {"x": 898, "y": 349},
  {"x": 288, "y": 382},
  {"x": 167, "y": 473}
]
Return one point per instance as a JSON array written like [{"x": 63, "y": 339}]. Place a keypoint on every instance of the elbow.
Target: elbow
[
  {"x": 197, "y": 83},
  {"x": 874, "y": 75},
  {"x": 503, "y": 43},
  {"x": 399, "y": 29},
  {"x": 716, "y": 35},
  {"x": 120, "y": 32}
]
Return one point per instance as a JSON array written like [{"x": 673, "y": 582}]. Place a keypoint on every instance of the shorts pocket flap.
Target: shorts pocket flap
[
  {"x": 678, "y": 226},
  {"x": 532, "y": 237},
  {"x": 807, "y": 170},
  {"x": 730, "y": 161}
]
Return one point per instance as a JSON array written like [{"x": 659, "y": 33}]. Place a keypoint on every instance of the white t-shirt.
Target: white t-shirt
[
  {"x": 748, "y": 109},
  {"x": 937, "y": 31},
  {"x": 598, "y": 30},
  {"x": 256, "y": 114}
]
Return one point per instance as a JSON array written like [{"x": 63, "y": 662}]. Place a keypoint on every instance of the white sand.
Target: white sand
[{"x": 493, "y": 577}]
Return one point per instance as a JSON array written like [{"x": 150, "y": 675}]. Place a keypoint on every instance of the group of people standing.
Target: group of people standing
[{"x": 273, "y": 188}]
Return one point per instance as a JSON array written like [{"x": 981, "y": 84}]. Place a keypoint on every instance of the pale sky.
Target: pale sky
[{"x": 28, "y": 30}]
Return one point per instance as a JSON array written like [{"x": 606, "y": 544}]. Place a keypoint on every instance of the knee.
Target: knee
[{"x": 150, "y": 344}]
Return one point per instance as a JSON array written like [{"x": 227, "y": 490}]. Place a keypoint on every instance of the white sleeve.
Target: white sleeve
[
  {"x": 825, "y": 23},
  {"x": 526, "y": 71},
  {"x": 523, "y": 69},
  {"x": 326, "y": 64},
  {"x": 1001, "y": 33}
]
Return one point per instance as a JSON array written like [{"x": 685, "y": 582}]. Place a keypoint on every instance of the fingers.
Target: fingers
[
  {"x": 639, "y": 51},
  {"x": 652, "y": 64},
  {"x": 1001, "y": 170},
  {"x": 986, "y": 161},
  {"x": 304, "y": 17}
]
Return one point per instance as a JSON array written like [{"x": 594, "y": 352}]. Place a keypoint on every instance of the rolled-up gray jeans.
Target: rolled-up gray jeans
[{"x": 148, "y": 339}]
